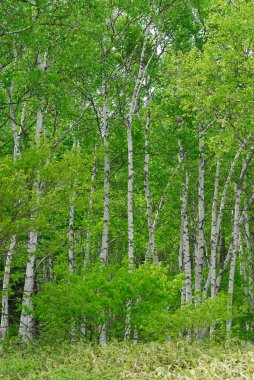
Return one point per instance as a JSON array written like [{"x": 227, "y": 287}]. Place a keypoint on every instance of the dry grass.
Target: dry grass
[{"x": 122, "y": 361}]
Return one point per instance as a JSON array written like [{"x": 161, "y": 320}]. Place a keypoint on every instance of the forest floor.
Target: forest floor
[{"x": 126, "y": 361}]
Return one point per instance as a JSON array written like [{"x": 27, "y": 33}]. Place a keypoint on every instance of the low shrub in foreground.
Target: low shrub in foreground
[
  {"x": 126, "y": 361},
  {"x": 145, "y": 300}
]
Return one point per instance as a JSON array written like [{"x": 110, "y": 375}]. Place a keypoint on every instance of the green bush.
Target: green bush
[{"x": 106, "y": 295}]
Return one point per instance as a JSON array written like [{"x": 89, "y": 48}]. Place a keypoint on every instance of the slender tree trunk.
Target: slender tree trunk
[
  {"x": 105, "y": 232},
  {"x": 142, "y": 70},
  {"x": 184, "y": 251},
  {"x": 238, "y": 220},
  {"x": 106, "y": 205},
  {"x": 214, "y": 239},
  {"x": 90, "y": 213},
  {"x": 248, "y": 268},
  {"x": 234, "y": 252},
  {"x": 151, "y": 243},
  {"x": 241, "y": 220},
  {"x": 7, "y": 269},
  {"x": 15, "y": 134},
  {"x": 243, "y": 261},
  {"x": 250, "y": 271},
  {"x": 214, "y": 231},
  {"x": 130, "y": 220},
  {"x": 71, "y": 239},
  {"x": 180, "y": 259},
  {"x": 201, "y": 216},
  {"x": 184, "y": 254},
  {"x": 224, "y": 193},
  {"x": 26, "y": 328},
  {"x": 5, "y": 292},
  {"x": 133, "y": 105},
  {"x": 186, "y": 243},
  {"x": 130, "y": 195},
  {"x": 71, "y": 258},
  {"x": 88, "y": 232},
  {"x": 214, "y": 246},
  {"x": 229, "y": 253}
]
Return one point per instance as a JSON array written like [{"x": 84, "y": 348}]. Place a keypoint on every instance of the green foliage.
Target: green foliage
[
  {"x": 199, "y": 57},
  {"x": 192, "y": 318},
  {"x": 106, "y": 295}
]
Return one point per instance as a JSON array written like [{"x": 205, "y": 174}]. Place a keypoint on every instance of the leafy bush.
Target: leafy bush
[
  {"x": 106, "y": 295},
  {"x": 109, "y": 295}
]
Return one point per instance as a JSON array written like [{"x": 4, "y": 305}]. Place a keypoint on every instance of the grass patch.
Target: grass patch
[{"x": 126, "y": 361}]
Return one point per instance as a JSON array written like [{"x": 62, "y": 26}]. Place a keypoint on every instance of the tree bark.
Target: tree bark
[
  {"x": 90, "y": 212},
  {"x": 184, "y": 250},
  {"x": 214, "y": 247},
  {"x": 132, "y": 109},
  {"x": 234, "y": 252},
  {"x": 151, "y": 243},
  {"x": 214, "y": 230},
  {"x": 7, "y": 269},
  {"x": 200, "y": 252},
  {"x": 106, "y": 215},
  {"x": 26, "y": 327},
  {"x": 186, "y": 243},
  {"x": 71, "y": 239},
  {"x": 250, "y": 271},
  {"x": 5, "y": 292}
]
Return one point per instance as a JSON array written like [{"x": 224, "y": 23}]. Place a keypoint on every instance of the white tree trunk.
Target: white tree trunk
[
  {"x": 26, "y": 328},
  {"x": 186, "y": 243},
  {"x": 71, "y": 257},
  {"x": 214, "y": 231},
  {"x": 214, "y": 246},
  {"x": 184, "y": 250},
  {"x": 88, "y": 233},
  {"x": 15, "y": 134},
  {"x": 7, "y": 269},
  {"x": 214, "y": 239},
  {"x": 133, "y": 105},
  {"x": 199, "y": 256},
  {"x": 90, "y": 213},
  {"x": 229, "y": 253},
  {"x": 224, "y": 193},
  {"x": 238, "y": 220},
  {"x": 71, "y": 239},
  {"x": 234, "y": 251},
  {"x": 243, "y": 262},
  {"x": 130, "y": 195},
  {"x": 151, "y": 243},
  {"x": 105, "y": 232},
  {"x": 127, "y": 331},
  {"x": 5, "y": 291},
  {"x": 250, "y": 271},
  {"x": 106, "y": 215}
]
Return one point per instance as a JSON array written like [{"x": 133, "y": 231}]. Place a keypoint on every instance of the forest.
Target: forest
[{"x": 126, "y": 174}]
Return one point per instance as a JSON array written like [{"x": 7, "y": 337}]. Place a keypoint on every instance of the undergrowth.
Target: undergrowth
[{"x": 126, "y": 361}]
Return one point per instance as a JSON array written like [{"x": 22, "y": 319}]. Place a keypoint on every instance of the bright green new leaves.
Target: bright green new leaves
[{"x": 106, "y": 295}]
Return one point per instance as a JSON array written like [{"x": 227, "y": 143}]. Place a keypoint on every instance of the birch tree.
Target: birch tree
[
  {"x": 26, "y": 327},
  {"x": 199, "y": 257},
  {"x": 151, "y": 243},
  {"x": 16, "y": 155}
]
